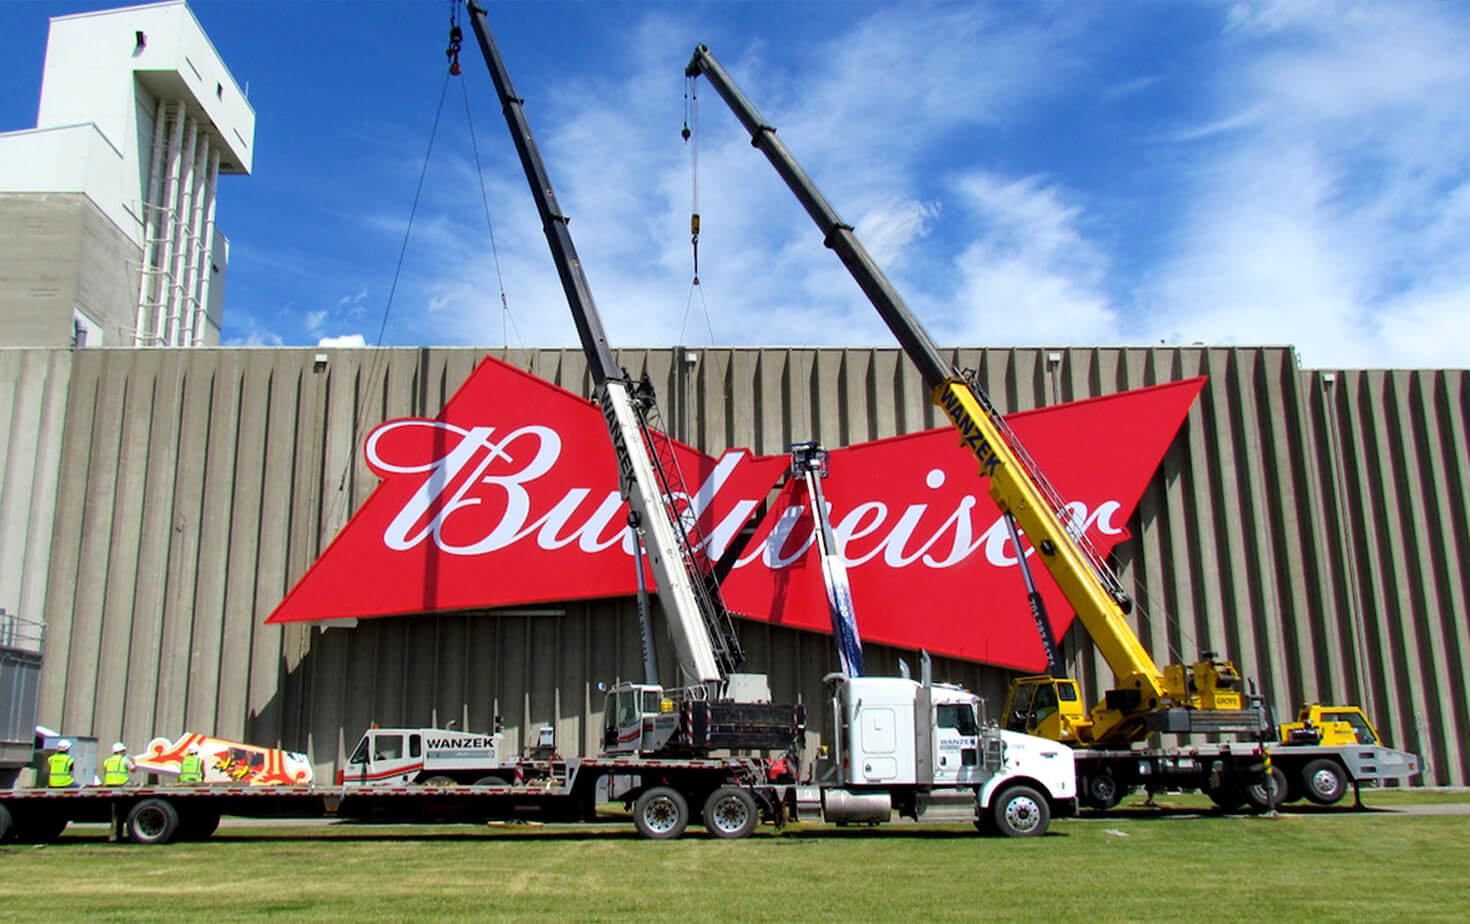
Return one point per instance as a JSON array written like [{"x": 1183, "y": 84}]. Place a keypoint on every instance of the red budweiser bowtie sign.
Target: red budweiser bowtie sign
[{"x": 510, "y": 497}]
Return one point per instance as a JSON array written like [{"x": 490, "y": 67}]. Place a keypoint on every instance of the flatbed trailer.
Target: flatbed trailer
[
  {"x": 563, "y": 791},
  {"x": 732, "y": 796},
  {"x": 1233, "y": 774}
]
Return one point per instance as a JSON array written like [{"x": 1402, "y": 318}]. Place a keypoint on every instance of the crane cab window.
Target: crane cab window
[
  {"x": 1361, "y": 729},
  {"x": 959, "y": 716},
  {"x": 360, "y": 755},
  {"x": 415, "y": 745}
]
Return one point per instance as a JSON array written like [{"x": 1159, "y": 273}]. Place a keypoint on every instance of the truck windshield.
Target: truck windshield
[{"x": 359, "y": 756}]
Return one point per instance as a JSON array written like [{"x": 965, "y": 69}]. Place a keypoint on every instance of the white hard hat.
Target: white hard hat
[
  {"x": 63, "y": 745},
  {"x": 119, "y": 748},
  {"x": 193, "y": 749}
]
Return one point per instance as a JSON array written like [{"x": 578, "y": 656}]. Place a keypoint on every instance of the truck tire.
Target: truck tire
[
  {"x": 1324, "y": 781},
  {"x": 153, "y": 821},
  {"x": 1019, "y": 811},
  {"x": 439, "y": 780},
  {"x": 491, "y": 781},
  {"x": 1100, "y": 790},
  {"x": 731, "y": 813},
  {"x": 661, "y": 814},
  {"x": 1268, "y": 792},
  {"x": 7, "y": 823}
]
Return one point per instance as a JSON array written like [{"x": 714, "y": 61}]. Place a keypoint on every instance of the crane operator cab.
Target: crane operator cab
[
  {"x": 1048, "y": 707},
  {"x": 637, "y": 718}
]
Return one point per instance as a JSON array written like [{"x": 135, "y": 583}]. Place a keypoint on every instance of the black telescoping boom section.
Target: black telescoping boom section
[
  {"x": 553, "y": 222},
  {"x": 838, "y": 235}
]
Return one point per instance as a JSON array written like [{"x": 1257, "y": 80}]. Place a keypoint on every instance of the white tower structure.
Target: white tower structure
[{"x": 139, "y": 115}]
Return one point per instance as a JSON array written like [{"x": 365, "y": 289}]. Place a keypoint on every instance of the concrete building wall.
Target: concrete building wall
[
  {"x": 1313, "y": 526},
  {"x": 60, "y": 254}
]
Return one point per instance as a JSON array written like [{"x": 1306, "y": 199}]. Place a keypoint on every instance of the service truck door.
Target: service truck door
[
  {"x": 956, "y": 744},
  {"x": 383, "y": 759}
]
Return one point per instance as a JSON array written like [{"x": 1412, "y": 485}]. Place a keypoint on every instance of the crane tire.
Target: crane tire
[
  {"x": 661, "y": 814},
  {"x": 1324, "y": 781},
  {"x": 731, "y": 813},
  {"x": 1267, "y": 793}
]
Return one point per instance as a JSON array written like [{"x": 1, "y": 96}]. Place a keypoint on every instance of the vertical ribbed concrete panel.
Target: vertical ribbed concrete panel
[
  {"x": 1312, "y": 526},
  {"x": 33, "y": 388}
]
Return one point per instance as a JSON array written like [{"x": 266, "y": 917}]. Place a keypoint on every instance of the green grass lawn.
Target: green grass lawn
[{"x": 1136, "y": 864}]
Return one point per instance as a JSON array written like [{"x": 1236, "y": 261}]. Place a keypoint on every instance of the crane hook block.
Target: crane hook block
[{"x": 456, "y": 38}]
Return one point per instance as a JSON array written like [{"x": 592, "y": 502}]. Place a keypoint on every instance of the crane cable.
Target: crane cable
[
  {"x": 691, "y": 141},
  {"x": 456, "y": 37},
  {"x": 507, "y": 319}
]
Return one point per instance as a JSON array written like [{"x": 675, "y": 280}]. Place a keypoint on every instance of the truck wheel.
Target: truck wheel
[
  {"x": 661, "y": 814},
  {"x": 731, "y": 813},
  {"x": 491, "y": 781},
  {"x": 440, "y": 780},
  {"x": 153, "y": 821},
  {"x": 1324, "y": 781},
  {"x": 1100, "y": 790},
  {"x": 7, "y": 824},
  {"x": 1267, "y": 793},
  {"x": 1019, "y": 811}
]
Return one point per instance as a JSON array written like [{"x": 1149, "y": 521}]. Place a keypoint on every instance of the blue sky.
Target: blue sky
[{"x": 1045, "y": 173}]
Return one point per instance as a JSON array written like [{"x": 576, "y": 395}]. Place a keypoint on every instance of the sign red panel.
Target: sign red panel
[{"x": 509, "y": 497}]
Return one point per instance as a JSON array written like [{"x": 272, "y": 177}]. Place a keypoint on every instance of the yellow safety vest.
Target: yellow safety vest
[
  {"x": 59, "y": 765},
  {"x": 191, "y": 770},
  {"x": 115, "y": 770}
]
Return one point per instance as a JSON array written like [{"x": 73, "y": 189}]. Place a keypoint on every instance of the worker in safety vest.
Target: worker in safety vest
[
  {"x": 59, "y": 766},
  {"x": 191, "y": 768},
  {"x": 117, "y": 768}
]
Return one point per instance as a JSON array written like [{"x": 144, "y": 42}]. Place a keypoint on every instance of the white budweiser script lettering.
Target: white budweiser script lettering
[{"x": 480, "y": 486}]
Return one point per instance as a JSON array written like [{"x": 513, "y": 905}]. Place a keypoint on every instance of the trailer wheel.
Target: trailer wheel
[
  {"x": 661, "y": 814},
  {"x": 153, "y": 821},
  {"x": 1324, "y": 781},
  {"x": 1267, "y": 793},
  {"x": 197, "y": 825},
  {"x": 491, "y": 781},
  {"x": 1100, "y": 790},
  {"x": 731, "y": 813},
  {"x": 1019, "y": 811}
]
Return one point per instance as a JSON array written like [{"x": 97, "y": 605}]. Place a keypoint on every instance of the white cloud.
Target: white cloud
[
  {"x": 1336, "y": 217},
  {"x": 346, "y": 340},
  {"x": 1030, "y": 276}
]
